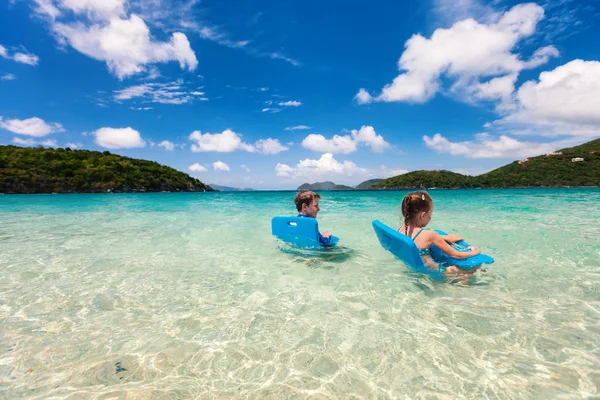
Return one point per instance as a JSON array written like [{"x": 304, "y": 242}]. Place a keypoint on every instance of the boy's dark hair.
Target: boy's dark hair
[
  {"x": 414, "y": 203},
  {"x": 305, "y": 197}
]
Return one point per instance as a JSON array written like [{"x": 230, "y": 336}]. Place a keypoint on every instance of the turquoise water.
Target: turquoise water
[{"x": 186, "y": 295}]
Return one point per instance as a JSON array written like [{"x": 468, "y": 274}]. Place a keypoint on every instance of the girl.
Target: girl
[{"x": 417, "y": 208}]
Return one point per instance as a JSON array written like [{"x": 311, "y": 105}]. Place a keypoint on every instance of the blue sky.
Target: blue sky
[{"x": 271, "y": 94}]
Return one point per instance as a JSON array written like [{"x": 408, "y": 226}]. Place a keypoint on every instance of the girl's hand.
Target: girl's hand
[
  {"x": 452, "y": 238},
  {"x": 474, "y": 250}
]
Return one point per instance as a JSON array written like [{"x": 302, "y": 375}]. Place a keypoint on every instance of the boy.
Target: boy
[{"x": 307, "y": 204}]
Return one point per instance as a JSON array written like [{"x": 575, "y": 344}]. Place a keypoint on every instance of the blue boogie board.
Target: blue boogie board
[
  {"x": 299, "y": 232},
  {"x": 404, "y": 248},
  {"x": 462, "y": 263}
]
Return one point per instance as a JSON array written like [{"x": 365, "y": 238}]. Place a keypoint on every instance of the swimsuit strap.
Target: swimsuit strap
[{"x": 418, "y": 233}]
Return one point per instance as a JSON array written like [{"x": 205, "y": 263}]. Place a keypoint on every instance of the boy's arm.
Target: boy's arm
[{"x": 325, "y": 238}]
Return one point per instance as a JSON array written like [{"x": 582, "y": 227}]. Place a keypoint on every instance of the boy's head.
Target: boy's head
[{"x": 307, "y": 203}]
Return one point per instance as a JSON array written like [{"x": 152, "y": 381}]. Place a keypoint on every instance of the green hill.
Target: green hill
[
  {"x": 574, "y": 166},
  {"x": 42, "y": 170},
  {"x": 557, "y": 169},
  {"x": 367, "y": 184},
  {"x": 426, "y": 179},
  {"x": 327, "y": 185}
]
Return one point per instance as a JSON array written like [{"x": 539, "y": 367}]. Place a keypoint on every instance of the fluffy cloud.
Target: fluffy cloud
[
  {"x": 291, "y": 103},
  {"x": 297, "y": 128},
  {"x": 564, "y": 100},
  {"x": 104, "y": 32},
  {"x": 224, "y": 142},
  {"x": 97, "y": 8},
  {"x": 270, "y": 146},
  {"x": 486, "y": 146},
  {"x": 163, "y": 93},
  {"x": 347, "y": 143},
  {"x": 323, "y": 166},
  {"x": 228, "y": 141},
  {"x": 197, "y": 168},
  {"x": 466, "y": 52},
  {"x": 24, "y": 58},
  {"x": 30, "y": 59},
  {"x": 74, "y": 146},
  {"x": 32, "y": 126},
  {"x": 169, "y": 146},
  {"x": 220, "y": 166},
  {"x": 118, "y": 138}
]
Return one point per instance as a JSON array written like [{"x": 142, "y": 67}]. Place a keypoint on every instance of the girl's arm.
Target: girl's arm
[
  {"x": 452, "y": 238},
  {"x": 440, "y": 242}
]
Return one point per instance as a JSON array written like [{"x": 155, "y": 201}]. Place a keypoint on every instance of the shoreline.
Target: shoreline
[{"x": 322, "y": 190}]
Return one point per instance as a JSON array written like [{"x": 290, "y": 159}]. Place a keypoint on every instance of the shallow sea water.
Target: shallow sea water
[{"x": 187, "y": 295}]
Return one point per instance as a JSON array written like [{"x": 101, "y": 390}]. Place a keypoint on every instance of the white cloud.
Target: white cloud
[
  {"x": 103, "y": 31},
  {"x": 363, "y": 97},
  {"x": 228, "y": 141},
  {"x": 169, "y": 146},
  {"x": 347, "y": 143},
  {"x": 24, "y": 142},
  {"x": 33, "y": 142},
  {"x": 297, "y": 128},
  {"x": 224, "y": 142},
  {"x": 220, "y": 166},
  {"x": 290, "y": 103},
  {"x": 245, "y": 168},
  {"x": 47, "y": 8},
  {"x": 270, "y": 146},
  {"x": 8, "y": 77},
  {"x": 324, "y": 166},
  {"x": 271, "y": 110},
  {"x": 163, "y": 93},
  {"x": 486, "y": 146},
  {"x": 31, "y": 126},
  {"x": 214, "y": 35},
  {"x": 49, "y": 143},
  {"x": 74, "y": 146},
  {"x": 279, "y": 56},
  {"x": 563, "y": 101},
  {"x": 465, "y": 53},
  {"x": 24, "y": 58},
  {"x": 118, "y": 138},
  {"x": 95, "y": 8},
  {"x": 197, "y": 168},
  {"x": 30, "y": 59}
]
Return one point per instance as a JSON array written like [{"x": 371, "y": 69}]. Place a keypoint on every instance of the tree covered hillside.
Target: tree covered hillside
[
  {"x": 43, "y": 170},
  {"x": 574, "y": 166}
]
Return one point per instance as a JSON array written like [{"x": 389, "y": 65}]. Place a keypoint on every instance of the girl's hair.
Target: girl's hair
[{"x": 413, "y": 204}]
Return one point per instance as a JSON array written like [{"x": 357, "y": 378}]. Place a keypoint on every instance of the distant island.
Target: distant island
[
  {"x": 327, "y": 185},
  {"x": 44, "y": 170},
  {"x": 574, "y": 166},
  {"x": 228, "y": 188}
]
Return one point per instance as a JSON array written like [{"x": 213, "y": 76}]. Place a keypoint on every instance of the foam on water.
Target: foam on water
[{"x": 188, "y": 295}]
